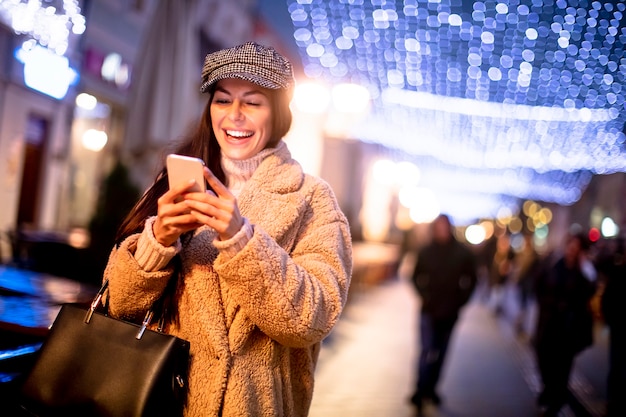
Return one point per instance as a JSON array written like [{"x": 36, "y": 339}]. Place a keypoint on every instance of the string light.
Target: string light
[
  {"x": 48, "y": 22},
  {"x": 522, "y": 98}
]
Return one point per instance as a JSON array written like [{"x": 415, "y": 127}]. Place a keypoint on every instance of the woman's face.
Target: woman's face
[{"x": 241, "y": 118}]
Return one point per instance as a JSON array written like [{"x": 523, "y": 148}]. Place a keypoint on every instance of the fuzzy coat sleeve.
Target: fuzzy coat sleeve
[{"x": 132, "y": 291}]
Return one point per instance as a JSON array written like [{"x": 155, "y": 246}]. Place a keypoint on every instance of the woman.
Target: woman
[{"x": 261, "y": 263}]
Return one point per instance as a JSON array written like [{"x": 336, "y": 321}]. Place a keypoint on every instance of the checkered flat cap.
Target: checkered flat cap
[{"x": 252, "y": 62}]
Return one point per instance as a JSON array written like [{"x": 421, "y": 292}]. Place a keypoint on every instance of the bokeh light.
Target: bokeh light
[{"x": 523, "y": 98}]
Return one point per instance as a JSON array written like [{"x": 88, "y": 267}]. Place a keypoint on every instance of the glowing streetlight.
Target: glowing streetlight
[{"x": 94, "y": 140}]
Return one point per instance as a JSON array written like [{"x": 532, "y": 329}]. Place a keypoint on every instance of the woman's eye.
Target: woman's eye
[{"x": 222, "y": 101}]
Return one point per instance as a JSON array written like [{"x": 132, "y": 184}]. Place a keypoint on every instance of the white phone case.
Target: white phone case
[{"x": 182, "y": 169}]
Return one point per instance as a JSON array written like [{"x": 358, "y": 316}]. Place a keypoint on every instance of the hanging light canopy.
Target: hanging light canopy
[{"x": 519, "y": 98}]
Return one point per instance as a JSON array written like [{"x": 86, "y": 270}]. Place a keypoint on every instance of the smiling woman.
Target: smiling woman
[
  {"x": 261, "y": 262},
  {"x": 240, "y": 115}
]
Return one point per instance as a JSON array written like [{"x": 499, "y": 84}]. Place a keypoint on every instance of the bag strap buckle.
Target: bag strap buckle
[
  {"x": 144, "y": 325},
  {"x": 96, "y": 301}
]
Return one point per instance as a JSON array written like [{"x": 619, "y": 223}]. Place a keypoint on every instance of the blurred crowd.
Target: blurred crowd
[{"x": 560, "y": 296}]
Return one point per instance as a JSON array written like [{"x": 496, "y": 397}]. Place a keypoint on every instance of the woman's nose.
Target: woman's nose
[{"x": 235, "y": 111}]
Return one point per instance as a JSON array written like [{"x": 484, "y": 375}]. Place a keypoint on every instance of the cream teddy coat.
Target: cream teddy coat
[{"x": 254, "y": 321}]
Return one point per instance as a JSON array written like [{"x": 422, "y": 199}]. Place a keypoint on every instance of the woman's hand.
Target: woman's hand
[
  {"x": 173, "y": 215},
  {"x": 217, "y": 210}
]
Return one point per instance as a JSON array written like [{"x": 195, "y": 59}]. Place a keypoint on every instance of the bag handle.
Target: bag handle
[{"x": 96, "y": 302}]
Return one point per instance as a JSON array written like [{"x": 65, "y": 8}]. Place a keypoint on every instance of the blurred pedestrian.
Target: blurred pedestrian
[
  {"x": 444, "y": 277},
  {"x": 499, "y": 272},
  {"x": 565, "y": 322},
  {"x": 526, "y": 267},
  {"x": 261, "y": 262},
  {"x": 613, "y": 268}
]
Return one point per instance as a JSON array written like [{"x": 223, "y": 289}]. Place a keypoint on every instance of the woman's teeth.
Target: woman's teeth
[{"x": 238, "y": 134}]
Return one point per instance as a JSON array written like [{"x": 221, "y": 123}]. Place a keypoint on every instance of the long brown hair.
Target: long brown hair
[{"x": 202, "y": 143}]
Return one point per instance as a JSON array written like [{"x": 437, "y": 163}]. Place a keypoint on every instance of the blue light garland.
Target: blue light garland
[{"x": 525, "y": 89}]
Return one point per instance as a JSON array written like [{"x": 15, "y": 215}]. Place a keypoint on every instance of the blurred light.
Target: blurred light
[
  {"x": 544, "y": 216},
  {"x": 385, "y": 172},
  {"x": 408, "y": 196},
  {"x": 515, "y": 225},
  {"x": 110, "y": 66},
  {"x": 408, "y": 173},
  {"x": 86, "y": 101},
  {"x": 540, "y": 237},
  {"x": 350, "y": 98},
  {"x": 426, "y": 207},
  {"x": 488, "y": 228},
  {"x": 594, "y": 234},
  {"x": 609, "y": 228},
  {"x": 311, "y": 98},
  {"x": 542, "y": 232},
  {"x": 527, "y": 95},
  {"x": 94, "y": 140},
  {"x": 504, "y": 215},
  {"x": 48, "y": 23},
  {"x": 475, "y": 234},
  {"x": 46, "y": 72},
  {"x": 504, "y": 111},
  {"x": 79, "y": 238},
  {"x": 530, "y": 208}
]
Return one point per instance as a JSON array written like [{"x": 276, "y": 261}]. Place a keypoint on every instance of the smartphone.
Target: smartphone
[{"x": 181, "y": 169}]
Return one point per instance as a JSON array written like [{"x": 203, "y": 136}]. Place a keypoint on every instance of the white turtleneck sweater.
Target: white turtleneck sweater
[{"x": 152, "y": 256}]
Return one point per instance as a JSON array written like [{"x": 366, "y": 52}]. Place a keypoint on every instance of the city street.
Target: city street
[{"x": 367, "y": 366}]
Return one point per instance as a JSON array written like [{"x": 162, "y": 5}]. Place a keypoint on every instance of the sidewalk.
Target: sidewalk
[{"x": 367, "y": 365}]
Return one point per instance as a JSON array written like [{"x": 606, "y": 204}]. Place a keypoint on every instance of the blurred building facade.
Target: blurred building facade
[{"x": 123, "y": 99}]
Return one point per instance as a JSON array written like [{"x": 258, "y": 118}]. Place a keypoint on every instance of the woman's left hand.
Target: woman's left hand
[{"x": 218, "y": 209}]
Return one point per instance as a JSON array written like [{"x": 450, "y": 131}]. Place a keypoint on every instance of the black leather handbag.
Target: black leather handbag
[{"x": 93, "y": 365}]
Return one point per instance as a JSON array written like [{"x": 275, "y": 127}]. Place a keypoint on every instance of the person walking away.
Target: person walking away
[
  {"x": 565, "y": 321},
  {"x": 261, "y": 262},
  {"x": 499, "y": 272},
  {"x": 444, "y": 276},
  {"x": 526, "y": 265}
]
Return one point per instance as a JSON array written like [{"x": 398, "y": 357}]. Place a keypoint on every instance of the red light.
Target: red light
[{"x": 594, "y": 234}]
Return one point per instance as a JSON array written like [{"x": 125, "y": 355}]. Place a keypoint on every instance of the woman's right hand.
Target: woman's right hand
[{"x": 173, "y": 215}]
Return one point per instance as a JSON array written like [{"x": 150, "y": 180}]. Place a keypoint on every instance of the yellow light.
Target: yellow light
[
  {"x": 526, "y": 207},
  {"x": 489, "y": 229},
  {"x": 545, "y": 215},
  {"x": 515, "y": 225},
  {"x": 94, "y": 140}
]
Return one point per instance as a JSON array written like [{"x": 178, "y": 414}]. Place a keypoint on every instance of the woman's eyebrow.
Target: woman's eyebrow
[{"x": 247, "y": 93}]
